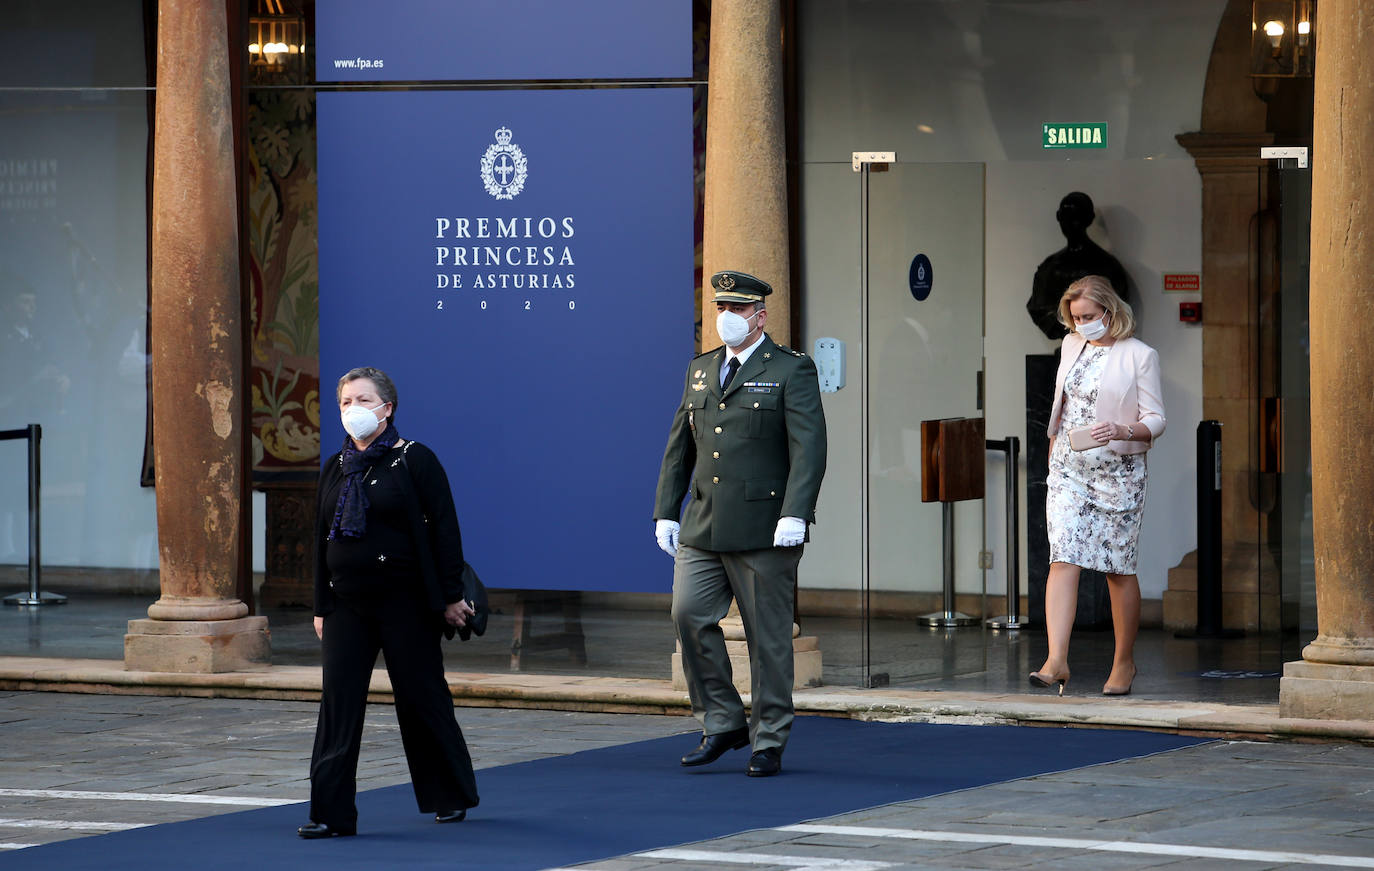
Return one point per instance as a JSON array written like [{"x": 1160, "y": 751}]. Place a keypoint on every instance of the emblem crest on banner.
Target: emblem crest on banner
[{"x": 504, "y": 167}]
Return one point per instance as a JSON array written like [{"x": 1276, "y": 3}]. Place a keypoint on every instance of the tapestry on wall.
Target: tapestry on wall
[{"x": 284, "y": 284}]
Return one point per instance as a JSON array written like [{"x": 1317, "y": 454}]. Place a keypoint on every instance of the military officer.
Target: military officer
[{"x": 748, "y": 439}]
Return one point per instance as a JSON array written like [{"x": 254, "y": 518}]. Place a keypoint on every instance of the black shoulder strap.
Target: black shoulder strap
[
  {"x": 409, "y": 485},
  {"x": 424, "y": 547}
]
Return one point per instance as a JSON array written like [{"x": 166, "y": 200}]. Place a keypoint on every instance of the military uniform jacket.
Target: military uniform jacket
[{"x": 750, "y": 455}]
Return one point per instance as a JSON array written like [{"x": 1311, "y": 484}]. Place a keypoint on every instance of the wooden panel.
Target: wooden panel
[
  {"x": 930, "y": 461},
  {"x": 952, "y": 461}
]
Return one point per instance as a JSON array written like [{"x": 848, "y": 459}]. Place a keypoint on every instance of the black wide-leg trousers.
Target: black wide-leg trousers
[{"x": 408, "y": 636}]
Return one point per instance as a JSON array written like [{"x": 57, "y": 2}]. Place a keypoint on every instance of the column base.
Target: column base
[
  {"x": 1322, "y": 691},
  {"x": 198, "y": 646},
  {"x": 193, "y": 608},
  {"x": 806, "y": 664}
]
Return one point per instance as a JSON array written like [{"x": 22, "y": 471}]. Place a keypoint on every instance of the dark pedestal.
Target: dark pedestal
[
  {"x": 566, "y": 605},
  {"x": 1094, "y": 606},
  {"x": 290, "y": 577}
]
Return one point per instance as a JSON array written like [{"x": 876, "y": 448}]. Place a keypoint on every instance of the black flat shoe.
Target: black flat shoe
[
  {"x": 713, "y": 747},
  {"x": 312, "y": 830},
  {"x": 451, "y": 816},
  {"x": 765, "y": 763}
]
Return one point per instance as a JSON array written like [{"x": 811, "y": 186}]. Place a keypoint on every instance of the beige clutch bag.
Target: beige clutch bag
[{"x": 1081, "y": 439}]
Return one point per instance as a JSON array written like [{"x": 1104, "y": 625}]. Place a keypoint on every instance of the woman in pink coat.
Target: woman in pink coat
[{"x": 1107, "y": 411}]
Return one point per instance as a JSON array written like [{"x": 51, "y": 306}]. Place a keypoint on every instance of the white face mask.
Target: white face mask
[
  {"x": 360, "y": 422},
  {"x": 1094, "y": 330},
  {"x": 733, "y": 328}
]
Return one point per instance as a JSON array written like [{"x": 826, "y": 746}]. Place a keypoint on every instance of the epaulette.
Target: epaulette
[
  {"x": 705, "y": 354},
  {"x": 787, "y": 350}
]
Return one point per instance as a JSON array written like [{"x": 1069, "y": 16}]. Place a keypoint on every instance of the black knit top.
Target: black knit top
[{"x": 386, "y": 560}]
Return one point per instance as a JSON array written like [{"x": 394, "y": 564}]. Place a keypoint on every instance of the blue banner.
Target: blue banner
[
  {"x": 501, "y": 40},
  {"x": 521, "y": 263}
]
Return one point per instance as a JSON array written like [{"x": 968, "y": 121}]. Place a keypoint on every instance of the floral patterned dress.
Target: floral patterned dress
[{"x": 1096, "y": 497}]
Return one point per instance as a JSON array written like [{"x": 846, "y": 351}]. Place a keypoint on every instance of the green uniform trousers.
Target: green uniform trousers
[{"x": 762, "y": 582}]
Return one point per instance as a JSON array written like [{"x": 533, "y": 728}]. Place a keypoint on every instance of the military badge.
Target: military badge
[{"x": 700, "y": 385}]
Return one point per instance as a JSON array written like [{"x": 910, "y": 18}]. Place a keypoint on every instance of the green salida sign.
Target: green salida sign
[{"x": 1074, "y": 135}]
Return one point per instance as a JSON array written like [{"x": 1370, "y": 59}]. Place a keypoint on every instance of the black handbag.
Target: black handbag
[{"x": 476, "y": 595}]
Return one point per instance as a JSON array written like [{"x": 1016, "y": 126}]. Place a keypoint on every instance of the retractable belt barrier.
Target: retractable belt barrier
[
  {"x": 1011, "y": 446},
  {"x": 35, "y": 596}
]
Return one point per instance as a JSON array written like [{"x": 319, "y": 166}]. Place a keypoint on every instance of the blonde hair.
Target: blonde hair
[{"x": 1095, "y": 288}]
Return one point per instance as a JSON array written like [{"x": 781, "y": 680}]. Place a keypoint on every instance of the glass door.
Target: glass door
[
  {"x": 1285, "y": 469},
  {"x": 923, "y": 238},
  {"x": 876, "y": 561}
]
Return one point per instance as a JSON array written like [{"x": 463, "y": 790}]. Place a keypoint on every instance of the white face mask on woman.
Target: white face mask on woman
[
  {"x": 1094, "y": 330},
  {"x": 359, "y": 421},
  {"x": 733, "y": 328}
]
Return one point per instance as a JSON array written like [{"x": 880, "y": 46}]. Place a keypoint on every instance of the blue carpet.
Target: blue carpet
[{"x": 602, "y": 803}]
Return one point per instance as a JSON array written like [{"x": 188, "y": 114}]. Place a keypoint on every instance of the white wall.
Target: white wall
[{"x": 972, "y": 80}]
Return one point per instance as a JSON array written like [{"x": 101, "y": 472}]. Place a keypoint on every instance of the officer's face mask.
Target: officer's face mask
[
  {"x": 733, "y": 328},
  {"x": 360, "y": 422},
  {"x": 1094, "y": 330}
]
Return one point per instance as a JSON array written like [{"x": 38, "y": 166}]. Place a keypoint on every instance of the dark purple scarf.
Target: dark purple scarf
[{"x": 350, "y": 515}]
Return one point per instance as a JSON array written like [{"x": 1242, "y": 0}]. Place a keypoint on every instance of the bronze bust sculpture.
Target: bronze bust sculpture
[{"x": 1080, "y": 257}]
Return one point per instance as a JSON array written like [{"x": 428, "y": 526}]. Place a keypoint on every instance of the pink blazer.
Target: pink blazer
[{"x": 1128, "y": 393}]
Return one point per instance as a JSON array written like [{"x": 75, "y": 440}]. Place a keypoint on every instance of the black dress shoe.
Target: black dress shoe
[
  {"x": 313, "y": 830},
  {"x": 712, "y": 747},
  {"x": 451, "y": 816},
  {"x": 765, "y": 763}
]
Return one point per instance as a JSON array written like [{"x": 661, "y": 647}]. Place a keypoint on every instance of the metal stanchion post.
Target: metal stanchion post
[
  {"x": 948, "y": 617},
  {"x": 1013, "y": 619},
  {"x": 35, "y": 596}
]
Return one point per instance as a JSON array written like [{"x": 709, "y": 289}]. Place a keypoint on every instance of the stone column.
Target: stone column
[
  {"x": 1335, "y": 679},
  {"x": 746, "y": 159},
  {"x": 197, "y": 625},
  {"x": 745, "y": 222}
]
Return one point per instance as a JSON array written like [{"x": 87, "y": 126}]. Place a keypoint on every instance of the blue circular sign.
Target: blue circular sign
[{"x": 920, "y": 277}]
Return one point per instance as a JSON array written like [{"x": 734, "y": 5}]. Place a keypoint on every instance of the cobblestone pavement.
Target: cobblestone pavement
[{"x": 79, "y": 765}]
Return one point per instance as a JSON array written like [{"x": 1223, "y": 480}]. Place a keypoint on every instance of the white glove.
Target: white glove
[
  {"x": 666, "y": 532},
  {"x": 791, "y": 532}
]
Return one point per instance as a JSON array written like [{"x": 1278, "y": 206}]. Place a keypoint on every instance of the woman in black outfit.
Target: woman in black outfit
[{"x": 389, "y": 562}]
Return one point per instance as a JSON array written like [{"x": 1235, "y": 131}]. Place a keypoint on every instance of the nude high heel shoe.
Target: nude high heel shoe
[
  {"x": 1109, "y": 690},
  {"x": 1039, "y": 679}
]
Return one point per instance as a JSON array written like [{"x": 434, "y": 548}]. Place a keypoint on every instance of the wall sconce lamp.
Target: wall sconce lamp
[{"x": 1282, "y": 38}]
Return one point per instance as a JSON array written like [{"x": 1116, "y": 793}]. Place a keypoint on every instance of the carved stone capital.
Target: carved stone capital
[{"x": 1225, "y": 152}]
